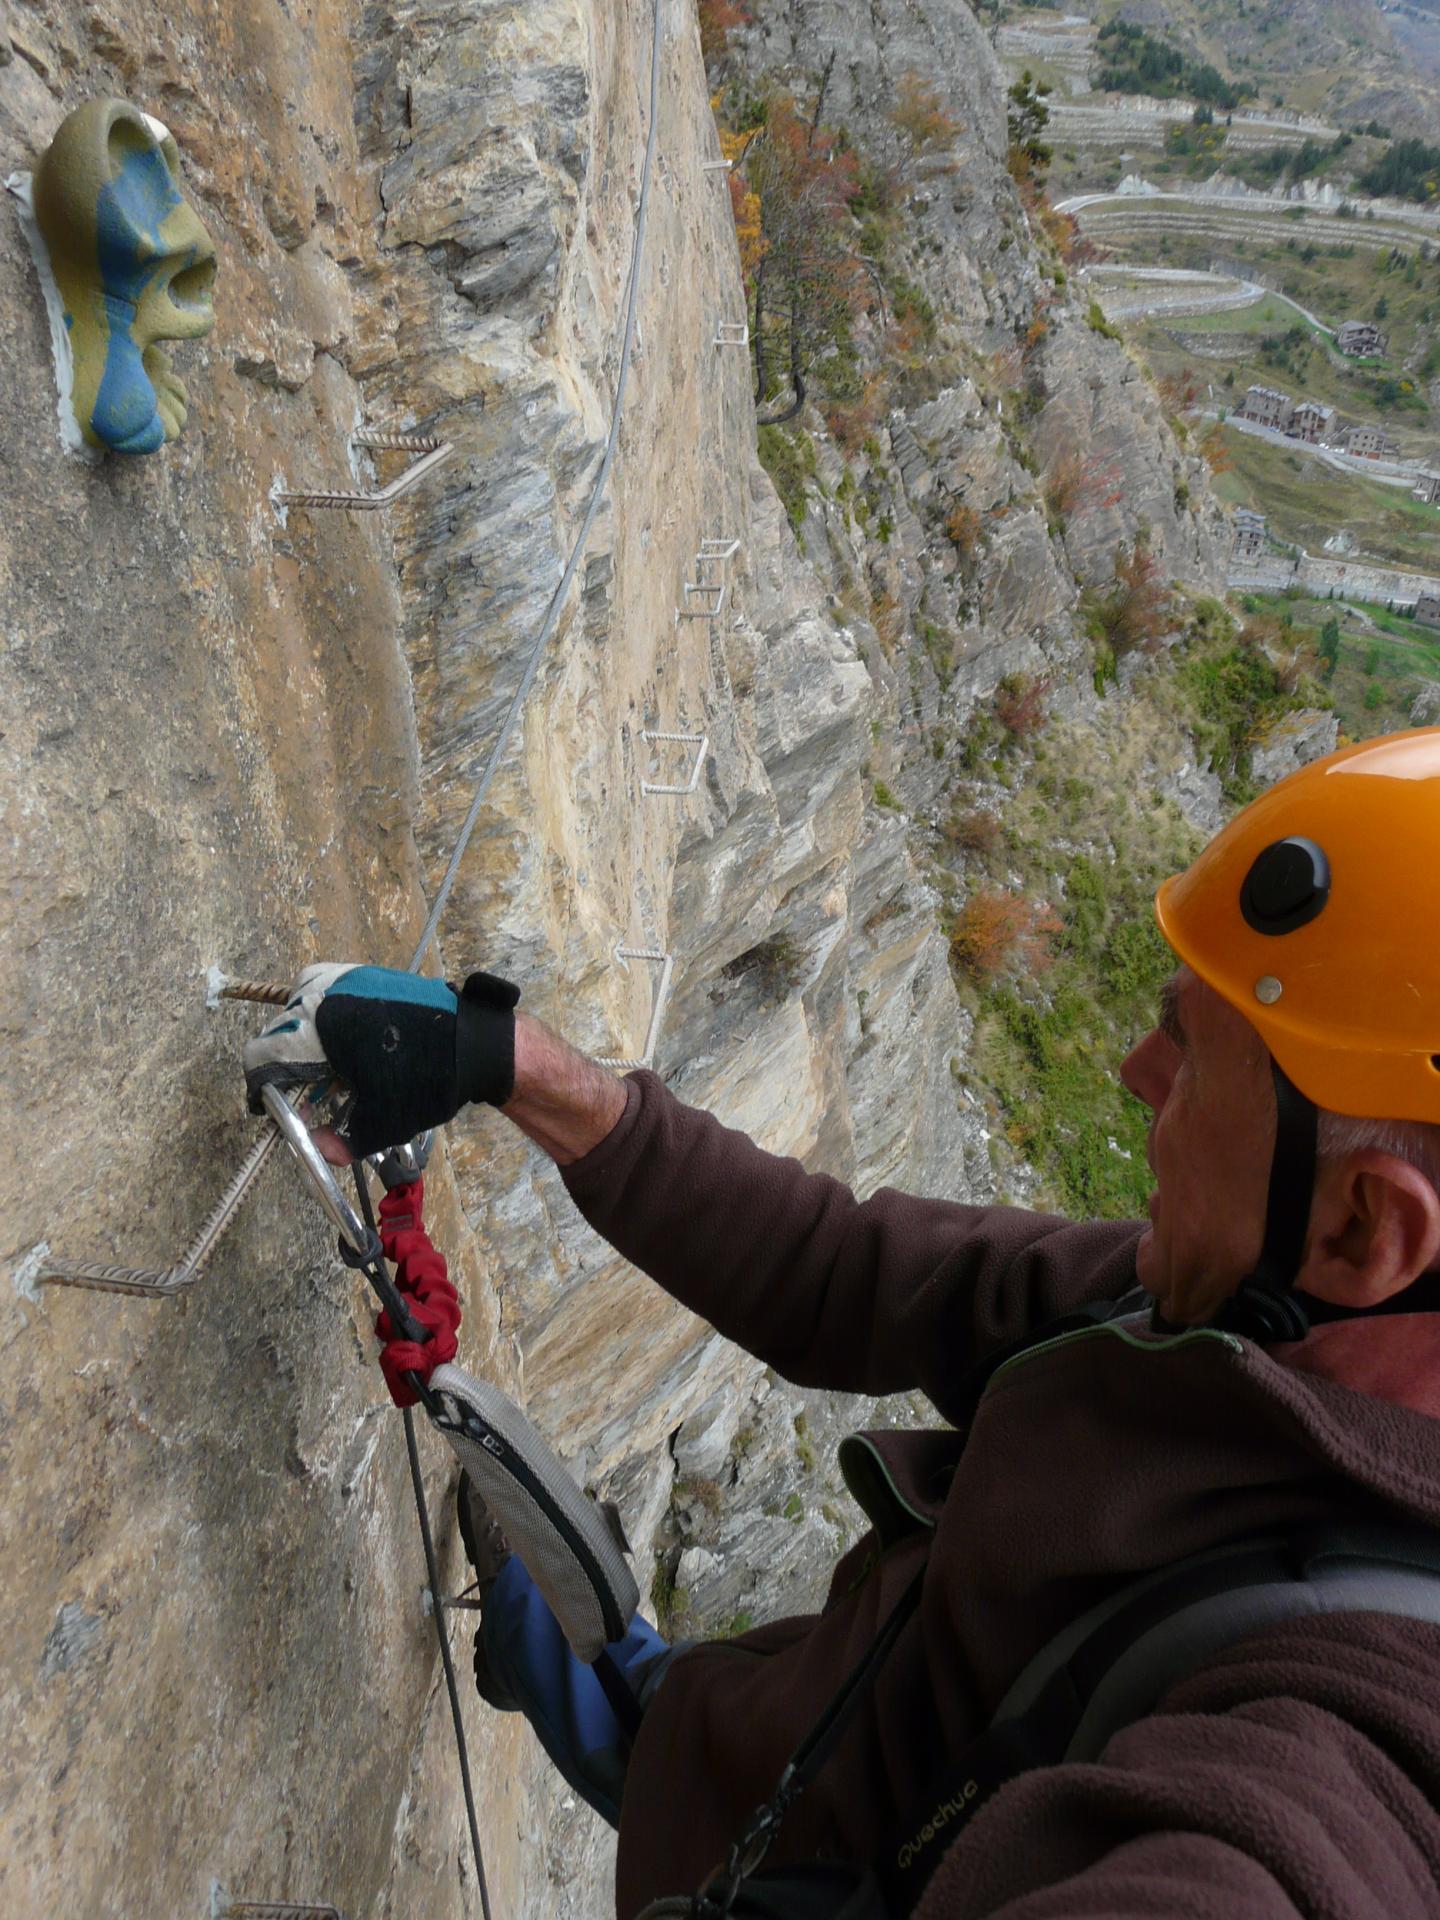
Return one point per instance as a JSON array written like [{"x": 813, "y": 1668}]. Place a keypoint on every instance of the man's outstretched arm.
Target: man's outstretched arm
[
  {"x": 870, "y": 1296},
  {"x": 564, "y": 1102}
]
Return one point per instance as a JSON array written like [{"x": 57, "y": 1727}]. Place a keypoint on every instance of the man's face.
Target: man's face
[{"x": 1204, "y": 1075}]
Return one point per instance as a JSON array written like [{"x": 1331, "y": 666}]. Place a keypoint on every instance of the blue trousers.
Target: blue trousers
[{"x": 531, "y": 1662}]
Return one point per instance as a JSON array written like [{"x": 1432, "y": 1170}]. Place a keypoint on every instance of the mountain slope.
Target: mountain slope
[{"x": 1353, "y": 58}]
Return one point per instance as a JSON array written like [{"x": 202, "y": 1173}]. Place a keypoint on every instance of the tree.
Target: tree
[
  {"x": 1135, "y": 611},
  {"x": 807, "y": 279},
  {"x": 1329, "y": 648},
  {"x": 996, "y": 932},
  {"x": 718, "y": 20},
  {"x": 919, "y": 115},
  {"x": 1028, "y": 116}
]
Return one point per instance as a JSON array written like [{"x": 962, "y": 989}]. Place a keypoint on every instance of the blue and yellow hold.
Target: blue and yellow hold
[{"x": 133, "y": 265}]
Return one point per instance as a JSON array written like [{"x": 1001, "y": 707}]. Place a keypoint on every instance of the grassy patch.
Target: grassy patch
[
  {"x": 788, "y": 456},
  {"x": 1051, "y": 1056},
  {"x": 1307, "y": 500}
]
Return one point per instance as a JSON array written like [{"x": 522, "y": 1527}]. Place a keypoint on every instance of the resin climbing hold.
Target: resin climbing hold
[{"x": 125, "y": 263}]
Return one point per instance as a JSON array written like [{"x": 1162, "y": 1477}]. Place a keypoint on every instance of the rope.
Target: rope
[
  {"x": 557, "y": 599},
  {"x": 432, "y": 1573}
]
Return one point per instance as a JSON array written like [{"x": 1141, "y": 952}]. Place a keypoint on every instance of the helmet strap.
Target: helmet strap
[{"x": 1265, "y": 1304}]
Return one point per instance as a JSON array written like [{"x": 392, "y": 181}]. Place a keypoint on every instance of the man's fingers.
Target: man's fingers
[{"x": 332, "y": 1147}]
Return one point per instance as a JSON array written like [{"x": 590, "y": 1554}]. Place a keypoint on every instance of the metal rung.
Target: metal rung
[
  {"x": 160, "y": 1285},
  {"x": 277, "y": 1910},
  {"x": 719, "y": 549},
  {"x": 433, "y": 451},
  {"x": 733, "y": 333},
  {"x": 222, "y": 1907},
  {"x": 666, "y": 963},
  {"x": 701, "y": 741},
  {"x": 716, "y": 166},
  {"x": 713, "y": 587}
]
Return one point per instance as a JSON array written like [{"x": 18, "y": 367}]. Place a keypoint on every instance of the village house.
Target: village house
[
  {"x": 1427, "y": 609},
  {"x": 1361, "y": 339},
  {"x": 1311, "y": 422},
  {"x": 1370, "y": 442},
  {"x": 1268, "y": 408},
  {"x": 1249, "y": 541},
  {"x": 1428, "y": 489}
]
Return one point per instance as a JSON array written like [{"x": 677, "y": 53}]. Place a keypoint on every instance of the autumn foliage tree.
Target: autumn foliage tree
[
  {"x": 964, "y": 527},
  {"x": 718, "y": 20},
  {"x": 996, "y": 932},
  {"x": 1020, "y": 703},
  {"x": 1218, "y": 457},
  {"x": 807, "y": 280},
  {"x": 1082, "y": 483},
  {"x": 920, "y": 117},
  {"x": 1136, "y": 609},
  {"x": 1178, "y": 391}
]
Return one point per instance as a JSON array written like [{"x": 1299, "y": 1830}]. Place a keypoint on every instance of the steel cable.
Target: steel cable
[
  {"x": 557, "y": 599},
  {"x": 507, "y": 728}
]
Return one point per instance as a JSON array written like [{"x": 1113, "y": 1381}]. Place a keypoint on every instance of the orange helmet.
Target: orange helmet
[{"x": 1316, "y": 914}]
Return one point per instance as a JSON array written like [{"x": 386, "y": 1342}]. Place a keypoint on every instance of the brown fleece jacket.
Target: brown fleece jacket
[{"x": 1297, "y": 1773}]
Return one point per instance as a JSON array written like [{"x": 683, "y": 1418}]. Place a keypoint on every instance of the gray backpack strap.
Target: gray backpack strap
[
  {"x": 1113, "y": 1665},
  {"x": 1127, "y": 1652}
]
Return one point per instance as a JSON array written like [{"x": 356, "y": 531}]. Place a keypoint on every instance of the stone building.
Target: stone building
[
  {"x": 1427, "y": 609},
  {"x": 1311, "y": 422},
  {"x": 1428, "y": 489},
  {"x": 1268, "y": 407},
  {"x": 1360, "y": 339},
  {"x": 1249, "y": 541},
  {"x": 1370, "y": 442}
]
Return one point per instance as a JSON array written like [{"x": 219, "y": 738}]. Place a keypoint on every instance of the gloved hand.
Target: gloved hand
[{"x": 413, "y": 1051}]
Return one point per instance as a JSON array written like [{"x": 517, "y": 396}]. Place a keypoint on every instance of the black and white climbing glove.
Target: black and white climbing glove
[{"x": 412, "y": 1051}]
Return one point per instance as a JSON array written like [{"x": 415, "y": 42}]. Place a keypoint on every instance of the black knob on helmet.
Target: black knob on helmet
[{"x": 1287, "y": 886}]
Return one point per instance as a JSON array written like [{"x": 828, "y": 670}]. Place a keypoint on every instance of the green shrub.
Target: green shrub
[{"x": 788, "y": 456}]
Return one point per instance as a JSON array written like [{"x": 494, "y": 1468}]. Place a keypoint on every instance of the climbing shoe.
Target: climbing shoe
[
  {"x": 486, "y": 1547},
  {"x": 569, "y": 1547},
  {"x": 487, "y": 1550}
]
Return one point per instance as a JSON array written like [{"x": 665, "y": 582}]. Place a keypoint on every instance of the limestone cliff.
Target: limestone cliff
[{"x": 235, "y": 742}]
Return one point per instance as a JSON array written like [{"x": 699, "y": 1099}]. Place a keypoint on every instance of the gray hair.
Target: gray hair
[{"x": 1416, "y": 1142}]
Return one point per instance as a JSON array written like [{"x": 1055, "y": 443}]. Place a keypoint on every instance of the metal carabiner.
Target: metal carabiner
[{"x": 316, "y": 1170}]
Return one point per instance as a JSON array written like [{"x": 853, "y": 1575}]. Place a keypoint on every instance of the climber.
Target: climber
[{"x": 1264, "y": 1352}]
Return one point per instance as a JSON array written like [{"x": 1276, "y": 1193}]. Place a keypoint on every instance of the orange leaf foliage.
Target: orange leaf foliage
[
  {"x": 964, "y": 526},
  {"x": 1082, "y": 483},
  {"x": 718, "y": 20},
  {"x": 920, "y": 114},
  {"x": 1218, "y": 457},
  {"x": 996, "y": 933}
]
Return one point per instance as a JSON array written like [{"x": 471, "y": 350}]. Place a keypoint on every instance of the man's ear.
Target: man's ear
[{"x": 1374, "y": 1227}]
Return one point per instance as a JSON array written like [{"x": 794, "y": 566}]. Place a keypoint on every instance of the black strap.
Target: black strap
[
  {"x": 1042, "y": 1732},
  {"x": 717, "y": 1896},
  {"x": 1265, "y": 1305},
  {"x": 1421, "y": 1296},
  {"x": 618, "y": 1692}
]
